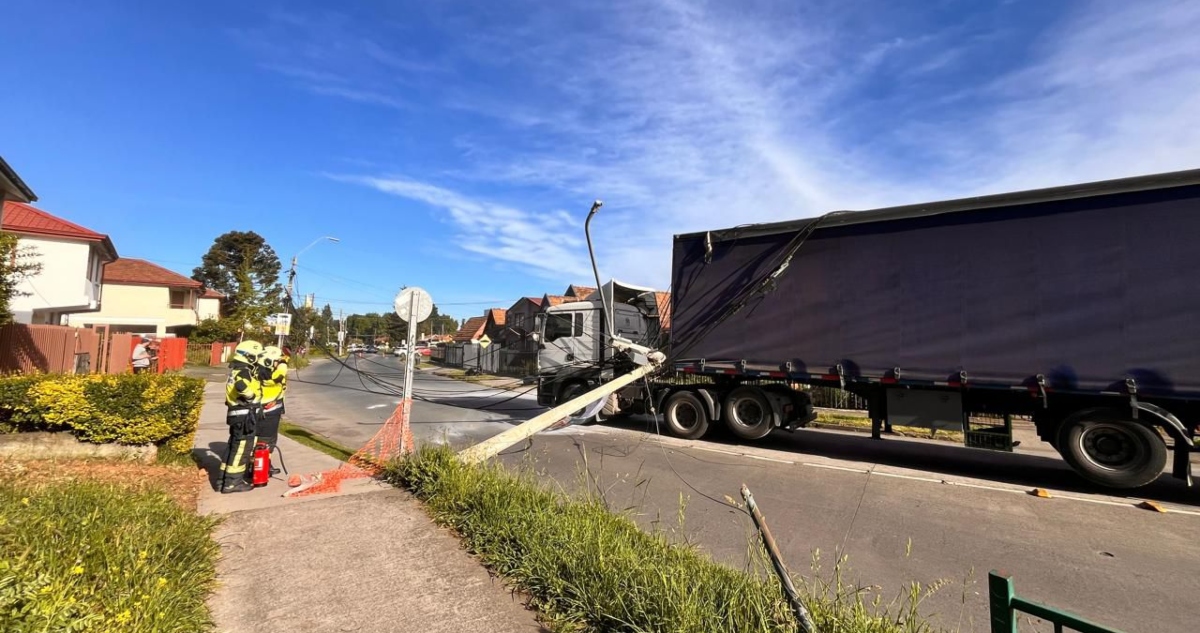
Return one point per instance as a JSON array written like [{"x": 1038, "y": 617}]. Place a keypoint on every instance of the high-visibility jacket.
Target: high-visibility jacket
[
  {"x": 274, "y": 388},
  {"x": 243, "y": 388}
]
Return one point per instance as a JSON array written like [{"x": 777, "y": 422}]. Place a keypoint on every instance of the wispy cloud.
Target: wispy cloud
[
  {"x": 542, "y": 242},
  {"x": 692, "y": 115}
]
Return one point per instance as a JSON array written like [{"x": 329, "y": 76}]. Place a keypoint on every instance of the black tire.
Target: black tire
[
  {"x": 685, "y": 415},
  {"x": 572, "y": 391},
  {"x": 1107, "y": 448},
  {"x": 748, "y": 413}
]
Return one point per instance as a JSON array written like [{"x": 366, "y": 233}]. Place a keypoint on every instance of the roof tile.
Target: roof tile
[
  {"x": 139, "y": 272},
  {"x": 663, "y": 299},
  {"x": 549, "y": 301},
  {"x": 470, "y": 330},
  {"x": 28, "y": 219},
  {"x": 579, "y": 292}
]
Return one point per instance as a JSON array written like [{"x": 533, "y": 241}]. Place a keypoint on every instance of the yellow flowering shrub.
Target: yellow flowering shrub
[{"x": 123, "y": 408}]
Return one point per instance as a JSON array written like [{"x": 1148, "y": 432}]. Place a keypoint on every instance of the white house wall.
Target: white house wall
[
  {"x": 147, "y": 306},
  {"x": 208, "y": 308},
  {"x": 62, "y": 284}
]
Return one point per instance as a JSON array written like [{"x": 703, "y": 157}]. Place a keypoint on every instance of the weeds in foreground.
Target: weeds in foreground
[
  {"x": 86, "y": 556},
  {"x": 586, "y": 568}
]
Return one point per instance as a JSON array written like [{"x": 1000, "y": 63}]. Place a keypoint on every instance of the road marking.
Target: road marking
[
  {"x": 769, "y": 459},
  {"x": 861, "y": 471},
  {"x": 910, "y": 477},
  {"x": 377, "y": 406}
]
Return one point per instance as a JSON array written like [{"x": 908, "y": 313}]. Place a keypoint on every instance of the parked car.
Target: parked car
[
  {"x": 399, "y": 352},
  {"x": 371, "y": 349}
]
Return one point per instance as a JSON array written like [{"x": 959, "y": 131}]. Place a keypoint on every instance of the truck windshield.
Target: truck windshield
[{"x": 563, "y": 325}]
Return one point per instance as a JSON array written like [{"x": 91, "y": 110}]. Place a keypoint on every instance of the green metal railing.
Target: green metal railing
[{"x": 1005, "y": 605}]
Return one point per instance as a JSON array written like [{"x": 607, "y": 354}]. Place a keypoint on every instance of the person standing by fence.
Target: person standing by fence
[{"x": 141, "y": 356}]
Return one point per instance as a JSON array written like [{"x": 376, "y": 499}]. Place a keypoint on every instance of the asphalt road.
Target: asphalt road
[{"x": 899, "y": 510}]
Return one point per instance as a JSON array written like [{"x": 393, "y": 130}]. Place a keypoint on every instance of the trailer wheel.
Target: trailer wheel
[
  {"x": 685, "y": 415},
  {"x": 1106, "y": 448},
  {"x": 748, "y": 413}
]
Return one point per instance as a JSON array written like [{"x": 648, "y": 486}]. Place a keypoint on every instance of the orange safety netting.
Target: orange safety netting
[{"x": 393, "y": 440}]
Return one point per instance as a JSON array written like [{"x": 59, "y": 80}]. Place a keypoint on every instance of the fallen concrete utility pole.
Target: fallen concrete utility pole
[{"x": 494, "y": 445}]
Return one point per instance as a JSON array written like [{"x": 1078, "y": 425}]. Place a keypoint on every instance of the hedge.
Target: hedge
[{"x": 125, "y": 408}]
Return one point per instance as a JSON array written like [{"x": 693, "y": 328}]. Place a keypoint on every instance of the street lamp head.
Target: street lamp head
[{"x": 332, "y": 239}]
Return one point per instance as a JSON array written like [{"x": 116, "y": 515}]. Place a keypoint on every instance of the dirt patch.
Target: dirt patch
[{"x": 182, "y": 483}]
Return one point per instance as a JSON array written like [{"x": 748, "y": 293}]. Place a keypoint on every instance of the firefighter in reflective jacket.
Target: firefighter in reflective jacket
[
  {"x": 243, "y": 401},
  {"x": 274, "y": 386}
]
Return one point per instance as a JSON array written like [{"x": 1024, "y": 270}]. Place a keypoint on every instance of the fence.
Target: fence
[
  {"x": 40, "y": 348},
  {"x": 61, "y": 349},
  {"x": 1004, "y": 603},
  {"x": 211, "y": 354},
  {"x": 199, "y": 353},
  {"x": 66, "y": 350},
  {"x": 489, "y": 360},
  {"x": 834, "y": 398}
]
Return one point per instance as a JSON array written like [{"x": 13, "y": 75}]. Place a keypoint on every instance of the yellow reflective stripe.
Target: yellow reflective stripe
[{"x": 238, "y": 466}]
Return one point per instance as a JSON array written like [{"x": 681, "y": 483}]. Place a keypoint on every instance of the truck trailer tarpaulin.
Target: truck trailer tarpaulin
[{"x": 1086, "y": 285}]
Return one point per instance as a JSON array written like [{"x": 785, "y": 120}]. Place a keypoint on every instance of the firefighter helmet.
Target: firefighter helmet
[
  {"x": 248, "y": 351},
  {"x": 270, "y": 355}
]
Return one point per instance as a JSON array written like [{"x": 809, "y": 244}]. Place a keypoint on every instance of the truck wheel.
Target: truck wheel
[
  {"x": 685, "y": 415},
  {"x": 572, "y": 391},
  {"x": 748, "y": 413},
  {"x": 1107, "y": 449}
]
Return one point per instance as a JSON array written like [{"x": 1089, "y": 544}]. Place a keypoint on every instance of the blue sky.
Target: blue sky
[{"x": 458, "y": 145}]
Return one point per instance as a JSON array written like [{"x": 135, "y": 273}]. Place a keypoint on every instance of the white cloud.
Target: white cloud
[
  {"x": 543, "y": 243},
  {"x": 685, "y": 116}
]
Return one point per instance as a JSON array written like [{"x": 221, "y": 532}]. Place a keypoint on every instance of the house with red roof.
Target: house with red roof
[
  {"x": 579, "y": 292},
  {"x": 494, "y": 328},
  {"x": 520, "y": 321},
  {"x": 142, "y": 297},
  {"x": 471, "y": 331},
  {"x": 72, "y": 258}
]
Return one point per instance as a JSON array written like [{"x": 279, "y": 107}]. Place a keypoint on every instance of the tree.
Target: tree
[
  {"x": 215, "y": 331},
  {"x": 16, "y": 264},
  {"x": 438, "y": 323},
  {"x": 326, "y": 328},
  {"x": 242, "y": 266}
]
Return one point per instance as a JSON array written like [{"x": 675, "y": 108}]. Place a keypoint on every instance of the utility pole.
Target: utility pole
[{"x": 341, "y": 331}]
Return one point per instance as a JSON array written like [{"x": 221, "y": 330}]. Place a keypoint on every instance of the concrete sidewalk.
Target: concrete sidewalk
[{"x": 365, "y": 559}]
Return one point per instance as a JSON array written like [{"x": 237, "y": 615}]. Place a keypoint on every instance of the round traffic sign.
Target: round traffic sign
[{"x": 413, "y": 304}]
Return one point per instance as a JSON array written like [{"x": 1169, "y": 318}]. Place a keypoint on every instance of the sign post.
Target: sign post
[{"x": 412, "y": 305}]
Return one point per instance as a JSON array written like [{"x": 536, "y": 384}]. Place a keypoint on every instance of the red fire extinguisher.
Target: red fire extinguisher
[{"x": 262, "y": 464}]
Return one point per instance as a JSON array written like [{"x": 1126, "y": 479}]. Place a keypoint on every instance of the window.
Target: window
[
  {"x": 182, "y": 299},
  {"x": 563, "y": 325},
  {"x": 519, "y": 322}
]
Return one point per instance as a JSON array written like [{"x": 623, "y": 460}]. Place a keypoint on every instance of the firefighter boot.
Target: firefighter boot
[{"x": 238, "y": 485}]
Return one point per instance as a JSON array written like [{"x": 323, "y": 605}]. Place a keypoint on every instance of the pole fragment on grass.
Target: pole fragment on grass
[{"x": 789, "y": 590}]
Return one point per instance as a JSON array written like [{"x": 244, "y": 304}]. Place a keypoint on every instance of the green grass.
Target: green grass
[
  {"x": 860, "y": 422},
  {"x": 87, "y": 556},
  {"x": 168, "y": 457},
  {"x": 312, "y": 440},
  {"x": 585, "y": 568}
]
